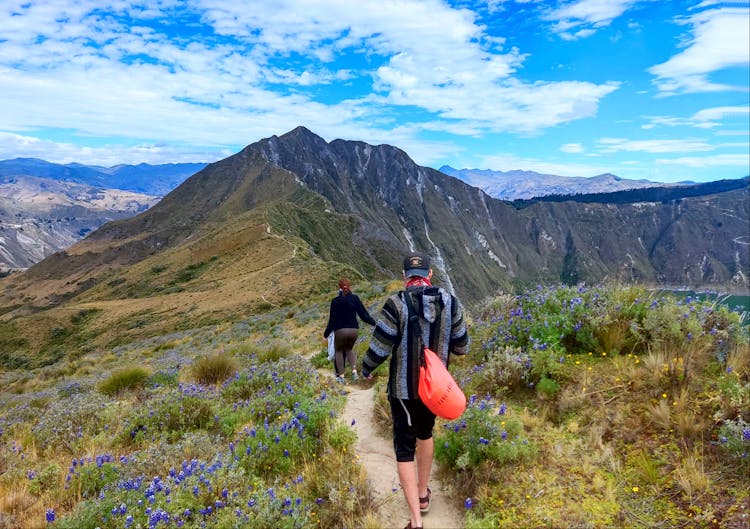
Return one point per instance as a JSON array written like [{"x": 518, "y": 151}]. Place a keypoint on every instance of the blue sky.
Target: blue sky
[{"x": 654, "y": 89}]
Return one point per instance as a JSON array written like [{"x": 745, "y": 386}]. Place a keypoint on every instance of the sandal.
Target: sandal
[
  {"x": 410, "y": 526},
  {"x": 424, "y": 509}
]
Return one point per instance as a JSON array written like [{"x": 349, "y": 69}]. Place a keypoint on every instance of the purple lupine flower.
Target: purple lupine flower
[
  {"x": 504, "y": 435},
  {"x": 503, "y": 408},
  {"x": 746, "y": 434},
  {"x": 50, "y": 515},
  {"x": 468, "y": 503}
]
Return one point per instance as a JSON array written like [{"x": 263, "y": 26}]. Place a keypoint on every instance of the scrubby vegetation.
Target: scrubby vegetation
[
  {"x": 124, "y": 379},
  {"x": 213, "y": 369},
  {"x": 227, "y": 428},
  {"x": 588, "y": 407},
  {"x": 634, "y": 411}
]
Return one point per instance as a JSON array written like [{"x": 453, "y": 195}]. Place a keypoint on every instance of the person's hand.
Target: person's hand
[
  {"x": 369, "y": 377},
  {"x": 325, "y": 341}
]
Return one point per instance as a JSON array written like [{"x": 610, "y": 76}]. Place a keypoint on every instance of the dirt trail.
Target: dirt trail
[{"x": 377, "y": 458}]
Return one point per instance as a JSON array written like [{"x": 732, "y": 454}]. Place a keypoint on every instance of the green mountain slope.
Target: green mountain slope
[{"x": 286, "y": 215}]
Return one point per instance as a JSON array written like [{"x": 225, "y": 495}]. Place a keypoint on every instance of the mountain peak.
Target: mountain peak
[{"x": 300, "y": 131}]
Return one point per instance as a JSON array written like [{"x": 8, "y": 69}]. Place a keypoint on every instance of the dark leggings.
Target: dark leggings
[{"x": 343, "y": 341}]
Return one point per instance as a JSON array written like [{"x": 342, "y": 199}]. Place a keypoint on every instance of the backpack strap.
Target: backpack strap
[{"x": 415, "y": 328}]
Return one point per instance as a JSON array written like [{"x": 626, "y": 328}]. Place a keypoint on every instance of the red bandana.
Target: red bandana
[{"x": 418, "y": 282}]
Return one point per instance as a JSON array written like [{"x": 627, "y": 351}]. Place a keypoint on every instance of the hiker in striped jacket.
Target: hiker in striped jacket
[{"x": 444, "y": 331}]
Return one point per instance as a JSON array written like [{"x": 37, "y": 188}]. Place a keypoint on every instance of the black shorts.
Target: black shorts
[{"x": 405, "y": 435}]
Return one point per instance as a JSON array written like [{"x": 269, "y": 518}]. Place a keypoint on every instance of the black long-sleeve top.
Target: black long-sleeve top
[{"x": 344, "y": 312}]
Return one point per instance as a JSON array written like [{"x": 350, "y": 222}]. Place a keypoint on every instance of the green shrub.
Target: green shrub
[
  {"x": 342, "y": 437},
  {"x": 171, "y": 417},
  {"x": 482, "y": 437},
  {"x": 45, "y": 480},
  {"x": 163, "y": 378},
  {"x": 320, "y": 359},
  {"x": 93, "y": 478},
  {"x": 213, "y": 369},
  {"x": 504, "y": 370},
  {"x": 124, "y": 379},
  {"x": 190, "y": 272},
  {"x": 548, "y": 386},
  {"x": 274, "y": 353},
  {"x": 734, "y": 440}
]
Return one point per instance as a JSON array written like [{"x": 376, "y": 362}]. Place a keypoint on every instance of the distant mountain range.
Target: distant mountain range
[
  {"x": 29, "y": 231},
  {"x": 512, "y": 185},
  {"x": 47, "y": 207},
  {"x": 40, "y": 216},
  {"x": 154, "y": 180}
]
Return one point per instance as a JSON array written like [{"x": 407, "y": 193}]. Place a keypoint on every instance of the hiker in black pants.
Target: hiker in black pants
[
  {"x": 342, "y": 321},
  {"x": 444, "y": 331}
]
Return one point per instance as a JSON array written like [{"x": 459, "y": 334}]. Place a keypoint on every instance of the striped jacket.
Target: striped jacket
[{"x": 443, "y": 331}]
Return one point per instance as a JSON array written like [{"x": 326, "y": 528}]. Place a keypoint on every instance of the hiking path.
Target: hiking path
[{"x": 377, "y": 458}]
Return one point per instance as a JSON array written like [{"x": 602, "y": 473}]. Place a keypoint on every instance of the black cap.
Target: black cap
[{"x": 416, "y": 264}]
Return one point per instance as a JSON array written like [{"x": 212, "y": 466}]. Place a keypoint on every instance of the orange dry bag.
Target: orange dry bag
[{"x": 438, "y": 390}]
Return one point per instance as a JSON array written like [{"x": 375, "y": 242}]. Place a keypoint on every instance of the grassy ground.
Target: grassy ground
[
  {"x": 605, "y": 407},
  {"x": 225, "y": 425}
]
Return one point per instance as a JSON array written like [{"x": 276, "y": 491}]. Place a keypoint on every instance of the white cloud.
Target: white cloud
[
  {"x": 572, "y": 148},
  {"x": 719, "y": 113},
  {"x": 705, "y": 119},
  {"x": 714, "y": 160},
  {"x": 74, "y": 65},
  {"x": 719, "y": 40},
  {"x": 423, "y": 152},
  {"x": 611, "y": 145},
  {"x": 626, "y": 168},
  {"x": 731, "y": 133},
  {"x": 510, "y": 162},
  {"x": 19, "y": 146},
  {"x": 582, "y": 18}
]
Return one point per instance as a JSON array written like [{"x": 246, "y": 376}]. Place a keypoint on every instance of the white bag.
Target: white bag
[{"x": 331, "y": 347}]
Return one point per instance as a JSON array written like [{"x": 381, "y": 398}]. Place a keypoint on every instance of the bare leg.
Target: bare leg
[
  {"x": 424, "y": 464},
  {"x": 407, "y": 475}
]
